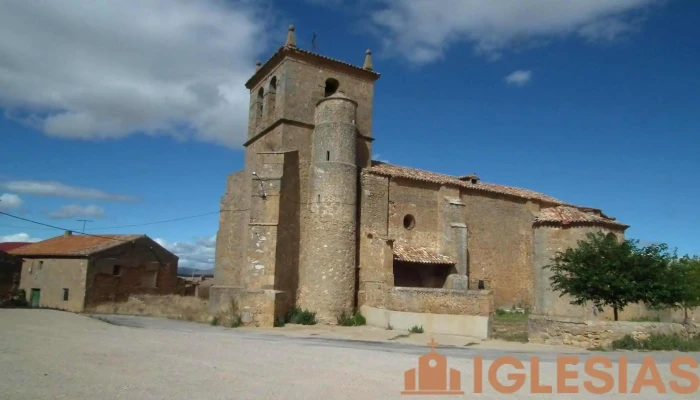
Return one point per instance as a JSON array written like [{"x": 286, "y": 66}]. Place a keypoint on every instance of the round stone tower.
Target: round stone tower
[{"x": 327, "y": 275}]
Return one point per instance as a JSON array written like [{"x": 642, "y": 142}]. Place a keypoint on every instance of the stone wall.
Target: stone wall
[
  {"x": 256, "y": 308},
  {"x": 547, "y": 242},
  {"x": 51, "y": 276},
  {"x": 500, "y": 246},
  {"x": 145, "y": 268},
  {"x": 587, "y": 334},
  {"x": 442, "y": 301},
  {"x": 420, "y": 200}
]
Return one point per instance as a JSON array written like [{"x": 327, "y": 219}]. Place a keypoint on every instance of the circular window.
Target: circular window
[{"x": 409, "y": 222}]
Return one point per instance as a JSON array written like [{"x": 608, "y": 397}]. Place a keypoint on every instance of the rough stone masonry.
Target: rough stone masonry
[{"x": 312, "y": 221}]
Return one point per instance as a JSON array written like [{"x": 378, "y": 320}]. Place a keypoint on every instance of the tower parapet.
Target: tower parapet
[{"x": 327, "y": 275}]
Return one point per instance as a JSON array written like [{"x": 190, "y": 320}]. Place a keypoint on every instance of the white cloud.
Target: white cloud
[
  {"x": 519, "y": 78},
  {"x": 378, "y": 157},
  {"x": 19, "y": 237},
  {"x": 96, "y": 70},
  {"x": 75, "y": 210},
  {"x": 421, "y": 30},
  {"x": 58, "y": 189},
  {"x": 9, "y": 200},
  {"x": 198, "y": 254}
]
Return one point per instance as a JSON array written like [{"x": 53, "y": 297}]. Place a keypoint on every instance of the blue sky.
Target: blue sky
[{"x": 111, "y": 117}]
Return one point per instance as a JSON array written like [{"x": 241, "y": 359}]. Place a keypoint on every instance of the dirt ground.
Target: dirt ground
[{"x": 48, "y": 354}]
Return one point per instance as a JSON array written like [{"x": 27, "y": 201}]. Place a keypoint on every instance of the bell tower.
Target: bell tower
[
  {"x": 285, "y": 89},
  {"x": 309, "y": 130}
]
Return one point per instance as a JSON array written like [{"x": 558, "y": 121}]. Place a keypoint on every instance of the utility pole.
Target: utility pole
[{"x": 84, "y": 221}]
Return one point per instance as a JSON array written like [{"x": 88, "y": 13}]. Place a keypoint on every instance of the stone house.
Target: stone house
[
  {"x": 76, "y": 272},
  {"x": 312, "y": 221}
]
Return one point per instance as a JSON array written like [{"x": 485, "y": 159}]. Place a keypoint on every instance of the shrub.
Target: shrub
[
  {"x": 658, "y": 343},
  {"x": 279, "y": 322},
  {"x": 236, "y": 321},
  {"x": 298, "y": 316},
  {"x": 356, "y": 320},
  {"x": 18, "y": 298},
  {"x": 416, "y": 329}
]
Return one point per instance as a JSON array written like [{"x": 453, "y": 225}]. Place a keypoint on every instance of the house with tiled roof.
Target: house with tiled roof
[
  {"x": 74, "y": 272},
  {"x": 312, "y": 221}
]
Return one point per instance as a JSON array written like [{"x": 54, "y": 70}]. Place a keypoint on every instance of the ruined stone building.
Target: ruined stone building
[
  {"x": 76, "y": 272},
  {"x": 312, "y": 221}
]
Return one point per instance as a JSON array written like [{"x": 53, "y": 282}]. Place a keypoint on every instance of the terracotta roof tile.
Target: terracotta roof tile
[
  {"x": 419, "y": 255},
  {"x": 395, "y": 171},
  {"x": 74, "y": 245},
  {"x": 565, "y": 215},
  {"x": 7, "y": 246}
]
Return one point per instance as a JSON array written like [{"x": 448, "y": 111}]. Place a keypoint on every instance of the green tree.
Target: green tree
[
  {"x": 682, "y": 285},
  {"x": 608, "y": 272}
]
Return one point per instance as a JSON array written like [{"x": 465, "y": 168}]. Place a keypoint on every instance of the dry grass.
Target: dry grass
[{"x": 188, "y": 308}]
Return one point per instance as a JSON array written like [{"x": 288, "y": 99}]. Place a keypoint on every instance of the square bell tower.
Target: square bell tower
[{"x": 285, "y": 89}]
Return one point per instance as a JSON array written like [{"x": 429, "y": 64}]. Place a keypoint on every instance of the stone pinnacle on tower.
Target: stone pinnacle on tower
[
  {"x": 368, "y": 60},
  {"x": 257, "y": 66},
  {"x": 291, "y": 40}
]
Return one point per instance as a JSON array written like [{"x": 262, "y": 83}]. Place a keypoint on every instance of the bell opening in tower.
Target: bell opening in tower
[{"x": 331, "y": 86}]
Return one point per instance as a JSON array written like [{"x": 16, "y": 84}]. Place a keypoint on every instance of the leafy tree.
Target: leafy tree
[
  {"x": 682, "y": 285},
  {"x": 608, "y": 272}
]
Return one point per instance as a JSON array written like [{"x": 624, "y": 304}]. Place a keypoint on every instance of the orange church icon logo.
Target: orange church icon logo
[{"x": 431, "y": 376}]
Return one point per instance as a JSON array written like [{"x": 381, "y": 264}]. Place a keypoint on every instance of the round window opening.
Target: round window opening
[{"x": 409, "y": 222}]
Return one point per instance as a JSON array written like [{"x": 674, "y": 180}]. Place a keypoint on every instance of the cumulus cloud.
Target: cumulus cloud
[
  {"x": 58, "y": 189},
  {"x": 519, "y": 78},
  {"x": 96, "y": 70},
  {"x": 421, "y": 30},
  {"x": 9, "y": 200},
  {"x": 19, "y": 237},
  {"x": 197, "y": 254},
  {"x": 76, "y": 210},
  {"x": 378, "y": 157}
]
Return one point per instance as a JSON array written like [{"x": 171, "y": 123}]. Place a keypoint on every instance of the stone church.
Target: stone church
[{"x": 312, "y": 221}]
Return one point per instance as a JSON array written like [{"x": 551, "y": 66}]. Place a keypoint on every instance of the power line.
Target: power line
[
  {"x": 157, "y": 222},
  {"x": 51, "y": 227},
  {"x": 63, "y": 229}
]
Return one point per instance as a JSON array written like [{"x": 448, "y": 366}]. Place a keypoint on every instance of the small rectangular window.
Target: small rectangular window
[
  {"x": 65, "y": 294},
  {"x": 328, "y": 156},
  {"x": 318, "y": 198},
  {"x": 117, "y": 271},
  {"x": 41, "y": 264}
]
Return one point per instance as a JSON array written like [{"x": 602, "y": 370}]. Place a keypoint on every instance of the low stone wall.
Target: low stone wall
[
  {"x": 441, "y": 301},
  {"x": 255, "y": 307},
  {"x": 454, "y": 312},
  {"x": 460, "y": 325},
  {"x": 586, "y": 333}
]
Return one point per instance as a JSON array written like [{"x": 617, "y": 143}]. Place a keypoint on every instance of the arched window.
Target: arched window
[
  {"x": 271, "y": 94},
  {"x": 259, "y": 104},
  {"x": 331, "y": 86}
]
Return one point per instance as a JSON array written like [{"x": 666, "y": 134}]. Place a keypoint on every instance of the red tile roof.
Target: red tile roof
[
  {"x": 73, "y": 245},
  {"x": 7, "y": 246},
  {"x": 395, "y": 171},
  {"x": 419, "y": 255},
  {"x": 565, "y": 215}
]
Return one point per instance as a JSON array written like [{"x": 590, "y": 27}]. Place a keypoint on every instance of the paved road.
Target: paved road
[{"x": 55, "y": 355}]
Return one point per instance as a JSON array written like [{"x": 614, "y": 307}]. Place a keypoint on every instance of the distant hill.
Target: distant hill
[{"x": 185, "y": 271}]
